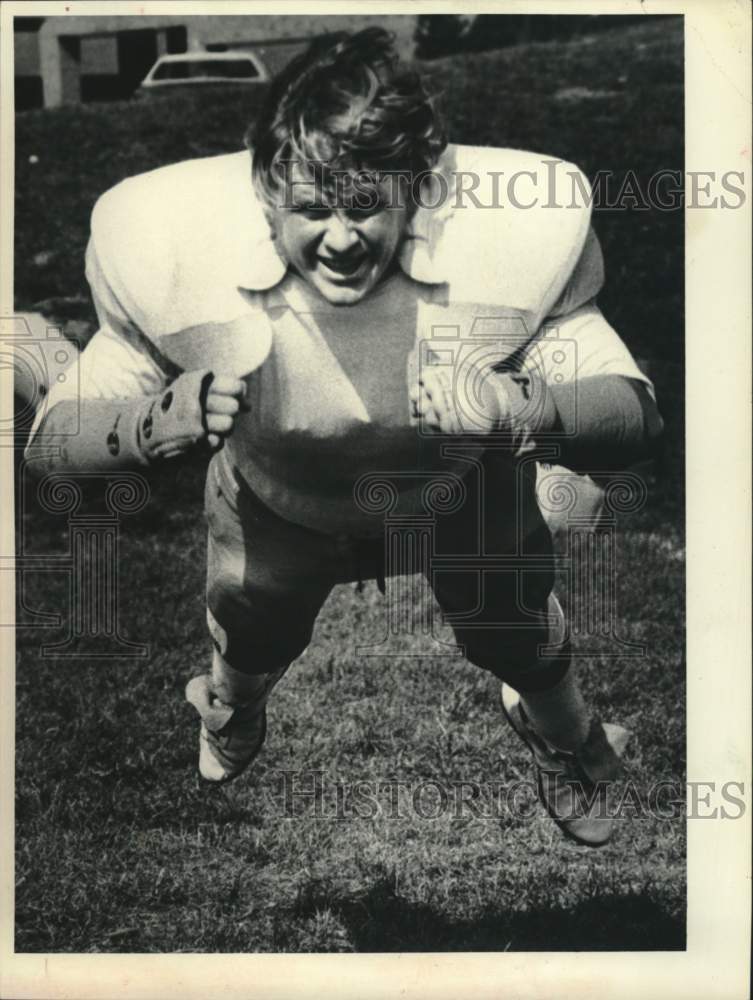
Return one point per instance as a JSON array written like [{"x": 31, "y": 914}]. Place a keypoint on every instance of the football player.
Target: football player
[{"x": 337, "y": 305}]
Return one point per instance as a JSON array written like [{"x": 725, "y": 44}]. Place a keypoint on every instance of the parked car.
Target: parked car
[{"x": 195, "y": 69}]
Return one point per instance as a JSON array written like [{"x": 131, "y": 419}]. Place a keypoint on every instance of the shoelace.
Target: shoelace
[{"x": 563, "y": 756}]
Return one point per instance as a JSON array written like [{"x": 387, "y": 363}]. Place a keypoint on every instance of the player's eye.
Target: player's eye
[
  {"x": 366, "y": 209},
  {"x": 313, "y": 211}
]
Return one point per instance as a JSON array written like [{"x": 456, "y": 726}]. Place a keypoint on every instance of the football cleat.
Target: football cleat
[
  {"x": 230, "y": 737},
  {"x": 573, "y": 786}
]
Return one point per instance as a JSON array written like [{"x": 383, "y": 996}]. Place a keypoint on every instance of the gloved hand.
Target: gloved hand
[
  {"x": 198, "y": 409},
  {"x": 483, "y": 402}
]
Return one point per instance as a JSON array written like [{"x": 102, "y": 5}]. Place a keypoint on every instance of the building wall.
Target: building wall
[
  {"x": 232, "y": 27},
  {"x": 99, "y": 54},
  {"x": 71, "y": 48},
  {"x": 26, "y": 49},
  {"x": 27, "y": 67}
]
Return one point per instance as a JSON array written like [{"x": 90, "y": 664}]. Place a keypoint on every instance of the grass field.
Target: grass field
[{"x": 118, "y": 849}]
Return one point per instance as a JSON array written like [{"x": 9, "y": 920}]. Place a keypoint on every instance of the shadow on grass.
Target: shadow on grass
[{"x": 381, "y": 921}]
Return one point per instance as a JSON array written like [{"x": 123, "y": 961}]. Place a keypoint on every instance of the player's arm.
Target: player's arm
[
  {"x": 129, "y": 406},
  {"x": 602, "y": 408},
  {"x": 197, "y": 409},
  {"x": 601, "y": 413},
  {"x": 599, "y": 422},
  {"x": 617, "y": 423},
  {"x": 603, "y": 417}
]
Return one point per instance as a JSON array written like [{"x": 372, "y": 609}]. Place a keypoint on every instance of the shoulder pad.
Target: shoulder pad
[
  {"x": 163, "y": 240},
  {"x": 513, "y": 214}
]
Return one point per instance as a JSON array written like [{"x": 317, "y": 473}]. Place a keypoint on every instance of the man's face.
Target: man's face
[{"x": 341, "y": 244}]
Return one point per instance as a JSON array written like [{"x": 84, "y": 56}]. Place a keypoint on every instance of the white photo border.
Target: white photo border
[{"x": 718, "y": 370}]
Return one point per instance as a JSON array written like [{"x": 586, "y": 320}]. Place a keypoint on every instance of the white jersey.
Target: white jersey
[{"x": 184, "y": 272}]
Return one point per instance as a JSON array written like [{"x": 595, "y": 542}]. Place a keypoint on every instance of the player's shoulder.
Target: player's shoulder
[
  {"x": 176, "y": 181},
  {"x": 508, "y": 159},
  {"x": 537, "y": 198},
  {"x": 173, "y": 244},
  {"x": 513, "y": 211},
  {"x": 172, "y": 197}
]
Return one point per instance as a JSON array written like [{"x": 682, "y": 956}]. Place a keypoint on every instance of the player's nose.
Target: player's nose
[{"x": 339, "y": 236}]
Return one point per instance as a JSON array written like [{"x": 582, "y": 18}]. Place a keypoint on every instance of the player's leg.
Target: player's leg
[
  {"x": 510, "y": 624},
  {"x": 541, "y": 700},
  {"x": 265, "y": 586},
  {"x": 557, "y": 710}
]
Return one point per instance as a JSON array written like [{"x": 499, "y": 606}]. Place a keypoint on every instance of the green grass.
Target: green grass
[{"x": 117, "y": 846}]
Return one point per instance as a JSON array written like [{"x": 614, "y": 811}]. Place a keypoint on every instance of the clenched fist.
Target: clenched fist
[
  {"x": 452, "y": 401},
  {"x": 478, "y": 400},
  {"x": 198, "y": 408},
  {"x": 224, "y": 400}
]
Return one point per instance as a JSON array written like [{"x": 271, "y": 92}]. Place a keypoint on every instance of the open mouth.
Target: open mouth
[{"x": 343, "y": 267}]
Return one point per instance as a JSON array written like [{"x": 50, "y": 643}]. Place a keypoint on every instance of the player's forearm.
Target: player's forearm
[
  {"x": 110, "y": 434},
  {"x": 602, "y": 422},
  {"x": 88, "y": 435},
  {"x": 614, "y": 424}
]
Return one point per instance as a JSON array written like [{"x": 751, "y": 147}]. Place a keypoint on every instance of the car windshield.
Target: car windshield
[{"x": 224, "y": 69}]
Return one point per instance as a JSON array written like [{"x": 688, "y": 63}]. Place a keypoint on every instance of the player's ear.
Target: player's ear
[{"x": 270, "y": 217}]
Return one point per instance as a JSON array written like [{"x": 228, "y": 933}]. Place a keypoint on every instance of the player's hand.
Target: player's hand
[
  {"x": 198, "y": 409},
  {"x": 446, "y": 401},
  {"x": 224, "y": 401}
]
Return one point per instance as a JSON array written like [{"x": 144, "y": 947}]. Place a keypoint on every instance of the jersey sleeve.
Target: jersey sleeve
[
  {"x": 119, "y": 361},
  {"x": 591, "y": 347},
  {"x": 575, "y": 340}
]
